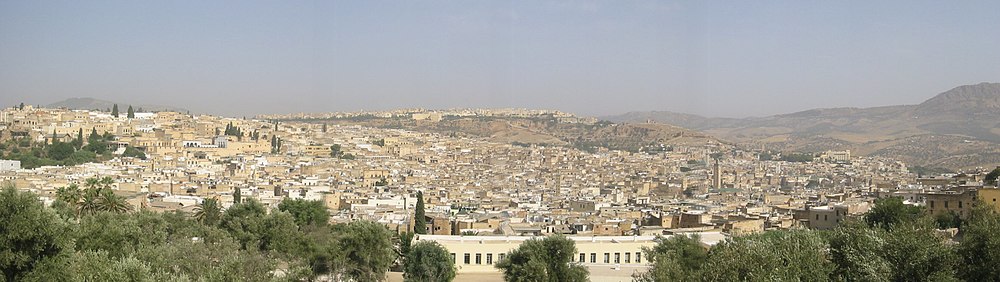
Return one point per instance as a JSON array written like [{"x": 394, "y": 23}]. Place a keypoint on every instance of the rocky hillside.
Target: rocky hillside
[
  {"x": 937, "y": 132},
  {"x": 547, "y": 131}
]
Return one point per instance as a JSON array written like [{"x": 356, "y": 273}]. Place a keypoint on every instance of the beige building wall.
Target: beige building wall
[
  {"x": 990, "y": 196},
  {"x": 479, "y": 254},
  {"x": 959, "y": 203}
]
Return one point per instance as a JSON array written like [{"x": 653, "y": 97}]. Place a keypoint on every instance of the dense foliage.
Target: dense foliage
[
  {"x": 894, "y": 242},
  {"x": 428, "y": 261},
  {"x": 797, "y": 157},
  {"x": 91, "y": 234},
  {"x": 678, "y": 258},
  {"x": 991, "y": 178},
  {"x": 419, "y": 218},
  {"x": 543, "y": 260}
]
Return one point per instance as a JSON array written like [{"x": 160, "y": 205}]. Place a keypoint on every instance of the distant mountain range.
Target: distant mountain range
[
  {"x": 97, "y": 104},
  {"x": 959, "y": 128}
]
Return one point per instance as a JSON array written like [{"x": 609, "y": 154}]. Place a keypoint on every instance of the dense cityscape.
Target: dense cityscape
[
  {"x": 489, "y": 141},
  {"x": 477, "y": 199}
]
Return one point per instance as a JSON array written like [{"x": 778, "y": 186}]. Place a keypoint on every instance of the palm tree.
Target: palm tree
[
  {"x": 108, "y": 201},
  {"x": 70, "y": 194},
  {"x": 89, "y": 203},
  {"x": 208, "y": 212},
  {"x": 92, "y": 183},
  {"x": 106, "y": 182},
  {"x": 97, "y": 197}
]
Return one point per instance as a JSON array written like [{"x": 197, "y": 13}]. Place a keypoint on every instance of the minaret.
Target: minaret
[{"x": 717, "y": 175}]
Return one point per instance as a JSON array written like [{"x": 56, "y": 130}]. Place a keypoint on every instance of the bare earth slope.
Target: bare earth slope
[
  {"x": 547, "y": 131},
  {"x": 959, "y": 128}
]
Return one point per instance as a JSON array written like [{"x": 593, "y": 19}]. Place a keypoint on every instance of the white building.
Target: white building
[
  {"x": 609, "y": 258},
  {"x": 9, "y": 165}
]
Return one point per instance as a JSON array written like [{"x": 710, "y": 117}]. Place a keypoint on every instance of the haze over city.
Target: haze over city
[{"x": 586, "y": 57}]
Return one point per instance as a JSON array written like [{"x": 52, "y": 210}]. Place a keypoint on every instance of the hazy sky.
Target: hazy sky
[{"x": 717, "y": 58}]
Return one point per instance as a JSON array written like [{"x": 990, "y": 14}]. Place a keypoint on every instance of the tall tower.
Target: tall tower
[{"x": 717, "y": 175}]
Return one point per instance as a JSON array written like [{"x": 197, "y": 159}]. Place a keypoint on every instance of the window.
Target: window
[
  {"x": 452, "y": 256},
  {"x": 959, "y": 204},
  {"x": 607, "y": 257},
  {"x": 479, "y": 258},
  {"x": 489, "y": 258},
  {"x": 583, "y": 258},
  {"x": 817, "y": 216},
  {"x": 618, "y": 258},
  {"x": 932, "y": 204},
  {"x": 826, "y": 217},
  {"x": 946, "y": 204},
  {"x": 593, "y": 257},
  {"x": 638, "y": 257},
  {"x": 628, "y": 257},
  {"x": 467, "y": 256},
  {"x": 501, "y": 256}
]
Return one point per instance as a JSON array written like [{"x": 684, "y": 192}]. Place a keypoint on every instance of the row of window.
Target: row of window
[
  {"x": 946, "y": 204},
  {"x": 607, "y": 257},
  {"x": 618, "y": 258},
  {"x": 479, "y": 258}
]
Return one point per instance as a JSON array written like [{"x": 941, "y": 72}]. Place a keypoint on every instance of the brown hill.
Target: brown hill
[
  {"x": 548, "y": 131},
  {"x": 942, "y": 127}
]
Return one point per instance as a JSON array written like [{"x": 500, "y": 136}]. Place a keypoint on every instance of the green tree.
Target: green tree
[
  {"x": 134, "y": 152},
  {"x": 70, "y": 194},
  {"x": 991, "y": 178},
  {"x": 89, "y": 203},
  {"x": 947, "y": 220},
  {"x": 888, "y": 212},
  {"x": 367, "y": 250},
  {"x": 131, "y": 112},
  {"x": 428, "y": 261},
  {"x": 113, "y": 203},
  {"x": 243, "y": 222},
  {"x": 305, "y": 212},
  {"x": 335, "y": 151},
  {"x": 121, "y": 234},
  {"x": 770, "y": 256},
  {"x": 78, "y": 142},
  {"x": 208, "y": 212},
  {"x": 60, "y": 151},
  {"x": 678, "y": 258},
  {"x": 404, "y": 244},
  {"x": 30, "y": 233},
  {"x": 278, "y": 232},
  {"x": 114, "y": 111},
  {"x": 96, "y": 143},
  {"x": 546, "y": 259},
  {"x": 81, "y": 156},
  {"x": 205, "y": 253},
  {"x": 856, "y": 250},
  {"x": 20, "y": 107},
  {"x": 96, "y": 266},
  {"x": 237, "y": 195},
  {"x": 98, "y": 197},
  {"x": 917, "y": 253},
  {"x": 980, "y": 246},
  {"x": 419, "y": 219},
  {"x": 320, "y": 250}
]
